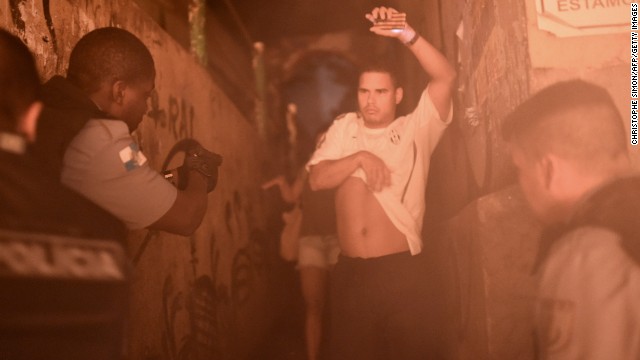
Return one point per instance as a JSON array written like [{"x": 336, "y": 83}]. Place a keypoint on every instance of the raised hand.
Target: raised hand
[{"x": 391, "y": 23}]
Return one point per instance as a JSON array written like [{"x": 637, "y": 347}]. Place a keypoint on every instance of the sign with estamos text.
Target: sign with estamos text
[{"x": 583, "y": 17}]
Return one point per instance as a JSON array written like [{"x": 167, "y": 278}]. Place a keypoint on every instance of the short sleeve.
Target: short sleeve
[
  {"x": 426, "y": 113},
  {"x": 330, "y": 146},
  {"x": 118, "y": 178},
  {"x": 598, "y": 286},
  {"x": 428, "y": 125}
]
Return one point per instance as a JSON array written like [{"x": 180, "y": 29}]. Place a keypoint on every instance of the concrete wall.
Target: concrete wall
[
  {"x": 203, "y": 297},
  {"x": 228, "y": 51},
  {"x": 489, "y": 250}
]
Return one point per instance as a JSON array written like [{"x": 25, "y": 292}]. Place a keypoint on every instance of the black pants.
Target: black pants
[{"x": 379, "y": 308}]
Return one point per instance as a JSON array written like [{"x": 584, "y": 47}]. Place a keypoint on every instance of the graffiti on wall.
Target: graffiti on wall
[
  {"x": 248, "y": 263},
  {"x": 177, "y": 117},
  {"x": 198, "y": 313},
  {"x": 193, "y": 322},
  {"x": 33, "y": 21},
  {"x": 199, "y": 321}
]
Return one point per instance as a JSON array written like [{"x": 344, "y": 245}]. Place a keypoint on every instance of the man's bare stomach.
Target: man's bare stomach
[{"x": 364, "y": 230}]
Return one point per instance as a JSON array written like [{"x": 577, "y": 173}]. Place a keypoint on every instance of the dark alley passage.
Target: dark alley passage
[{"x": 319, "y": 180}]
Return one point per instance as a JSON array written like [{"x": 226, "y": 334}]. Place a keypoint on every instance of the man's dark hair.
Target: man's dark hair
[
  {"x": 106, "y": 55},
  {"x": 574, "y": 119},
  {"x": 381, "y": 66},
  {"x": 19, "y": 81}
]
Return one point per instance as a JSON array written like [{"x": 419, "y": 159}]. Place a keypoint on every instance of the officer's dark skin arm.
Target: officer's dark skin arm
[{"x": 187, "y": 212}]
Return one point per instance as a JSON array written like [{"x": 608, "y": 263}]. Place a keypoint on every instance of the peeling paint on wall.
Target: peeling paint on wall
[
  {"x": 52, "y": 31},
  {"x": 494, "y": 78},
  {"x": 16, "y": 15},
  {"x": 197, "y": 16}
]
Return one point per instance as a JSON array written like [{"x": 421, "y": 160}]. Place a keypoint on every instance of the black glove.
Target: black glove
[{"x": 203, "y": 161}]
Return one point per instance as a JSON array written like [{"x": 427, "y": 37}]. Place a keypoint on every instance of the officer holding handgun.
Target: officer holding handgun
[{"x": 110, "y": 77}]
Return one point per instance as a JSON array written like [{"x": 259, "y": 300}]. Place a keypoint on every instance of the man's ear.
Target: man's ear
[
  {"x": 399, "y": 95},
  {"x": 117, "y": 91},
  {"x": 554, "y": 172},
  {"x": 546, "y": 171},
  {"x": 28, "y": 123}
]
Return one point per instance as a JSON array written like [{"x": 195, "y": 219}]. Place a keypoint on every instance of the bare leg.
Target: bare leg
[{"x": 314, "y": 290}]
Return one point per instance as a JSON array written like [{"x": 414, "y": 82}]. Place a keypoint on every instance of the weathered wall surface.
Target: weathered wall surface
[
  {"x": 602, "y": 59},
  {"x": 484, "y": 253},
  {"x": 203, "y": 297},
  {"x": 493, "y": 77},
  {"x": 490, "y": 251},
  {"x": 227, "y": 49}
]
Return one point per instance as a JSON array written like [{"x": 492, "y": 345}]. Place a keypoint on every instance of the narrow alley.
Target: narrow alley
[{"x": 249, "y": 107}]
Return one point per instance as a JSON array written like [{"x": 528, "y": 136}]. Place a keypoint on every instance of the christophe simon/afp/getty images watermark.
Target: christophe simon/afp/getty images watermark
[{"x": 634, "y": 73}]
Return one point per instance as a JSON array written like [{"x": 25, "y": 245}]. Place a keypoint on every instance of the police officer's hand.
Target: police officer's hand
[
  {"x": 203, "y": 161},
  {"x": 378, "y": 175}
]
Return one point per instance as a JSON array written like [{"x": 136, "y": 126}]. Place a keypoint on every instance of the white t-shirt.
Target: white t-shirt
[
  {"x": 104, "y": 163},
  {"x": 405, "y": 146},
  {"x": 588, "y": 304}
]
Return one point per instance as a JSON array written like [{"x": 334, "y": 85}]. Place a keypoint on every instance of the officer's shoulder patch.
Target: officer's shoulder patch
[{"x": 132, "y": 157}]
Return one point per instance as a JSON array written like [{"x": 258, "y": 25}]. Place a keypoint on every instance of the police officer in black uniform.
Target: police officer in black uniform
[{"x": 62, "y": 270}]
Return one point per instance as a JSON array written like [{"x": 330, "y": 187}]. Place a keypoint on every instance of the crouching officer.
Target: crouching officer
[
  {"x": 88, "y": 121},
  {"x": 62, "y": 267}
]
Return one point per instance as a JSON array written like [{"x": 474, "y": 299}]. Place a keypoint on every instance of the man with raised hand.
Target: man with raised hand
[{"x": 379, "y": 164}]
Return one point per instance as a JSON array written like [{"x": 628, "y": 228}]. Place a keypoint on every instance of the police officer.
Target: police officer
[
  {"x": 62, "y": 270},
  {"x": 569, "y": 146},
  {"x": 88, "y": 121}
]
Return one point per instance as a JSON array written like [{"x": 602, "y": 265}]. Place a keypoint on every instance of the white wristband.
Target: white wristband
[{"x": 407, "y": 35}]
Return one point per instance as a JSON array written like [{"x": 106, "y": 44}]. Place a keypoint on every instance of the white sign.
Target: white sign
[{"x": 583, "y": 17}]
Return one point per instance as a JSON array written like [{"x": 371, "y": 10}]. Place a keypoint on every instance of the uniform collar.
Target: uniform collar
[{"x": 614, "y": 206}]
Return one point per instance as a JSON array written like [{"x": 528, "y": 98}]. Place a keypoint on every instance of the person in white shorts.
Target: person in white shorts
[
  {"x": 318, "y": 250},
  {"x": 317, "y": 253}
]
